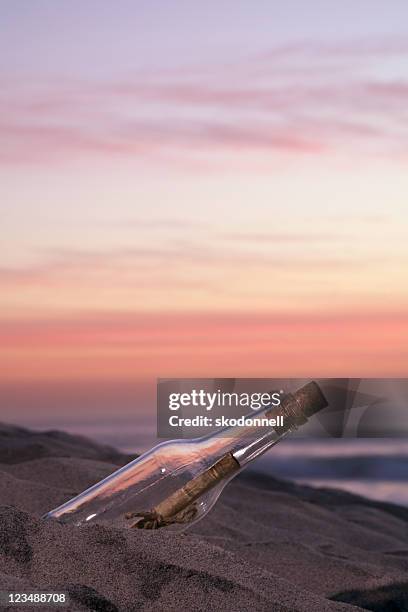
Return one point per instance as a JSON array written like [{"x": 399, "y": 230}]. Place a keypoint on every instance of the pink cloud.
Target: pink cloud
[
  {"x": 118, "y": 346},
  {"x": 231, "y": 110}
]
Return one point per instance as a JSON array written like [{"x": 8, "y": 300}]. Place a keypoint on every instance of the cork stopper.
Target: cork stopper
[
  {"x": 298, "y": 407},
  {"x": 309, "y": 399}
]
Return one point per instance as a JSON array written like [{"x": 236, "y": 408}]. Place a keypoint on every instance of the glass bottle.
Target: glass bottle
[{"x": 176, "y": 483}]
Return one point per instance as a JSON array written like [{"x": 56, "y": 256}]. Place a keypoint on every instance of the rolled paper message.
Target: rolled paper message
[{"x": 171, "y": 509}]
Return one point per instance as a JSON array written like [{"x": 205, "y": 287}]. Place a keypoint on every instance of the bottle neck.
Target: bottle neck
[
  {"x": 254, "y": 434},
  {"x": 256, "y": 448}
]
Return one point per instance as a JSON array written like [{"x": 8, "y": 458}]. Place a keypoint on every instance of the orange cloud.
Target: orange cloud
[{"x": 222, "y": 272}]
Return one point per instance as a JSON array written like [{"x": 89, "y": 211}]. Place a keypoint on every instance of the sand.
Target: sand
[{"x": 268, "y": 545}]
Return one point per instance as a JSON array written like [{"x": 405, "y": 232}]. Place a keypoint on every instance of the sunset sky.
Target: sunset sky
[{"x": 198, "y": 189}]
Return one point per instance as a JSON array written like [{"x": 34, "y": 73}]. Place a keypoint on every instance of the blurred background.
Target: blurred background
[{"x": 201, "y": 189}]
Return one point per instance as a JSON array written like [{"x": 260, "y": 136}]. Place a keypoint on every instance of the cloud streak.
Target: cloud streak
[{"x": 162, "y": 265}]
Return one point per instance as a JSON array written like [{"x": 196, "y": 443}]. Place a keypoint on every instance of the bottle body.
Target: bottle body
[
  {"x": 156, "y": 474},
  {"x": 176, "y": 483}
]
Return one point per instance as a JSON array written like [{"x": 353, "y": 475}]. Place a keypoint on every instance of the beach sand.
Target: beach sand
[{"x": 268, "y": 545}]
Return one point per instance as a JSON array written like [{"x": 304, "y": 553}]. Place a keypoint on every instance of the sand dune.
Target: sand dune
[
  {"x": 19, "y": 444},
  {"x": 268, "y": 545}
]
